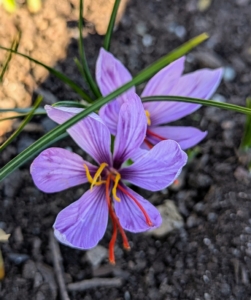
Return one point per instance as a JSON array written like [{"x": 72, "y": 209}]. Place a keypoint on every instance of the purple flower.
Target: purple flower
[
  {"x": 83, "y": 223},
  {"x": 111, "y": 74}
]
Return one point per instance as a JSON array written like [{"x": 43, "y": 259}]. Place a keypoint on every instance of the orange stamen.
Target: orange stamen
[{"x": 148, "y": 221}]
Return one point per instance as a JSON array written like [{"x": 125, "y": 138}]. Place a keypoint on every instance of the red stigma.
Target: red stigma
[
  {"x": 155, "y": 135},
  {"x": 148, "y": 221},
  {"x": 115, "y": 224}
]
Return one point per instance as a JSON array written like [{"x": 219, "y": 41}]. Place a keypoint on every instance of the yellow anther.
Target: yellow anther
[
  {"x": 148, "y": 117},
  {"x": 88, "y": 175},
  {"x": 114, "y": 189},
  {"x": 97, "y": 174}
]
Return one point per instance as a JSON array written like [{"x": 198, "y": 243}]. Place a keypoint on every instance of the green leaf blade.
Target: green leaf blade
[
  {"x": 246, "y": 138},
  {"x": 26, "y": 120},
  {"x": 227, "y": 106},
  {"x": 85, "y": 68},
  {"x": 107, "y": 40}
]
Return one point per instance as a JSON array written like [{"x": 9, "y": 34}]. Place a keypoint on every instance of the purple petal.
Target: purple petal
[
  {"x": 164, "y": 80},
  {"x": 83, "y": 223},
  {"x": 186, "y": 136},
  {"x": 131, "y": 216},
  {"x": 109, "y": 114},
  {"x": 158, "y": 168},
  {"x": 200, "y": 84},
  {"x": 110, "y": 75},
  {"x": 91, "y": 134},
  {"x": 131, "y": 129},
  {"x": 57, "y": 169}
]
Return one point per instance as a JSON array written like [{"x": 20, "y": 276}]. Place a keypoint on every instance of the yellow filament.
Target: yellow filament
[
  {"x": 97, "y": 174},
  {"x": 88, "y": 175},
  {"x": 114, "y": 189},
  {"x": 148, "y": 117}
]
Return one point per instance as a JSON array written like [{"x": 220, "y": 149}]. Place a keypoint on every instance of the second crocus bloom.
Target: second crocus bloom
[{"x": 111, "y": 74}]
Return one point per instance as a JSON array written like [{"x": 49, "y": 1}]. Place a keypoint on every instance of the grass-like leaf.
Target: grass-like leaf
[
  {"x": 39, "y": 110},
  {"x": 25, "y": 121},
  {"x": 22, "y": 112},
  {"x": 54, "y": 134},
  {"x": 69, "y": 104},
  {"x": 107, "y": 40},
  {"x": 14, "y": 46},
  {"x": 246, "y": 139},
  {"x": 86, "y": 70},
  {"x": 227, "y": 106},
  {"x": 22, "y": 116},
  {"x": 56, "y": 73}
]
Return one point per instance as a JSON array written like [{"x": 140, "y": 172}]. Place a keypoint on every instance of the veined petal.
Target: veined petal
[
  {"x": 111, "y": 73},
  {"x": 131, "y": 130},
  {"x": 165, "y": 79},
  {"x": 109, "y": 113},
  {"x": 91, "y": 134},
  {"x": 131, "y": 216},
  {"x": 186, "y": 136},
  {"x": 83, "y": 223},
  {"x": 200, "y": 84},
  {"x": 158, "y": 168},
  {"x": 57, "y": 169}
]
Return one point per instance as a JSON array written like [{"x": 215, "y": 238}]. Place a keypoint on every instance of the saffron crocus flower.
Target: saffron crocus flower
[
  {"x": 83, "y": 223},
  {"x": 111, "y": 74}
]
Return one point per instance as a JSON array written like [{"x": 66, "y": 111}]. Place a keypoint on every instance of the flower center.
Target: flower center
[
  {"x": 97, "y": 180},
  {"x": 110, "y": 174},
  {"x": 148, "y": 117}
]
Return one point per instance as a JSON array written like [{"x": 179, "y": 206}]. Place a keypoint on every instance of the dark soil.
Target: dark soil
[{"x": 210, "y": 257}]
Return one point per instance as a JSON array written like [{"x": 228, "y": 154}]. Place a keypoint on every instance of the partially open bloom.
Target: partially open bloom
[
  {"x": 111, "y": 74},
  {"x": 83, "y": 223}
]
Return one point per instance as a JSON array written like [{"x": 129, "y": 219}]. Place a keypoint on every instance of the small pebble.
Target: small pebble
[
  {"x": 212, "y": 217},
  {"x": 180, "y": 31},
  {"x": 141, "y": 28},
  {"x": 96, "y": 255},
  {"x": 38, "y": 279},
  {"x": 18, "y": 259},
  {"x": 229, "y": 74},
  {"x": 203, "y": 5},
  {"x": 147, "y": 40},
  {"x": 248, "y": 230},
  {"x": 225, "y": 289},
  {"x": 206, "y": 279},
  {"x": 24, "y": 143},
  {"x": 12, "y": 184},
  {"x": 207, "y": 296},
  {"x": 199, "y": 207},
  {"x": 18, "y": 235},
  {"x": 48, "y": 124},
  {"x": 29, "y": 270},
  {"x": 192, "y": 221},
  {"x": 127, "y": 296},
  {"x": 3, "y": 225},
  {"x": 206, "y": 241},
  {"x": 219, "y": 98}
]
